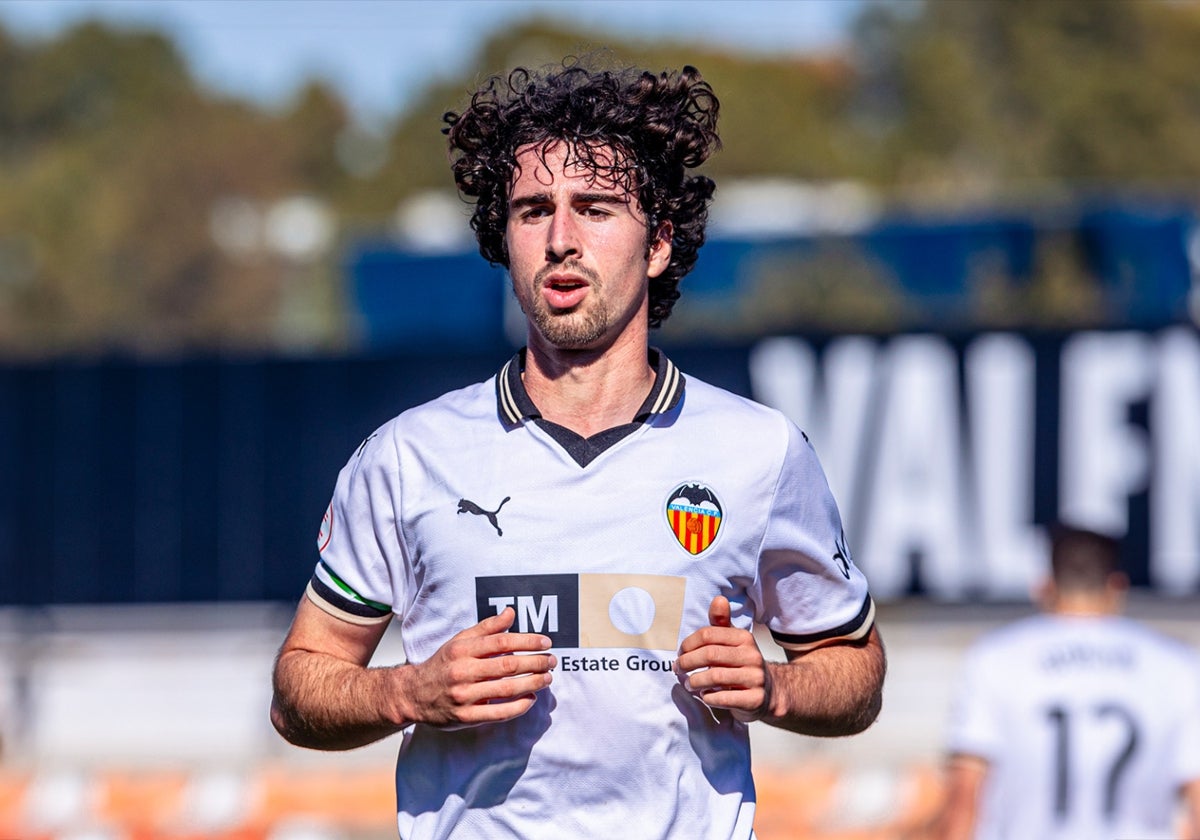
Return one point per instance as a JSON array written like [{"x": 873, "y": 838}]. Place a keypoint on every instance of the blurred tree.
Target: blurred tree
[
  {"x": 309, "y": 132},
  {"x": 995, "y": 98},
  {"x": 112, "y": 165}
]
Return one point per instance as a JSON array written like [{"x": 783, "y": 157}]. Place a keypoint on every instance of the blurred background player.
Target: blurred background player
[{"x": 1076, "y": 723}]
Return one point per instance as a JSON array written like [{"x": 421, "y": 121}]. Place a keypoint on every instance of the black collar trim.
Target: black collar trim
[{"x": 515, "y": 404}]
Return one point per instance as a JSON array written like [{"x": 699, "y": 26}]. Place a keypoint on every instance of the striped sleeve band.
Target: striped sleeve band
[
  {"x": 329, "y": 592},
  {"x": 853, "y": 630}
]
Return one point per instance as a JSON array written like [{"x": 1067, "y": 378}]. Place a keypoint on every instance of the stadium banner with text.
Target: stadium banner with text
[{"x": 949, "y": 456}]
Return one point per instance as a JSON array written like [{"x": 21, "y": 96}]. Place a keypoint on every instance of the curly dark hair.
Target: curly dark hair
[{"x": 659, "y": 126}]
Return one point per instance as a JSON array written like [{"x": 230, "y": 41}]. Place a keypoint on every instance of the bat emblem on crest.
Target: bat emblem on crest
[{"x": 694, "y": 513}]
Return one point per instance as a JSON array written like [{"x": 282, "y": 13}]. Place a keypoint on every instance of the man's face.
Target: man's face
[{"x": 577, "y": 252}]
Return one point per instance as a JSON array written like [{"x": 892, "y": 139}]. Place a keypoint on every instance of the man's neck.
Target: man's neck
[
  {"x": 1086, "y": 604},
  {"x": 588, "y": 391}
]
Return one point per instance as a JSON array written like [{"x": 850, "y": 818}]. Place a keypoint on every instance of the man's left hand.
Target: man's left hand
[{"x": 723, "y": 666}]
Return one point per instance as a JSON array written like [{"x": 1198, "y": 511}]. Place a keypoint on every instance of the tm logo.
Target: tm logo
[
  {"x": 534, "y": 614},
  {"x": 547, "y": 604},
  {"x": 643, "y": 612}
]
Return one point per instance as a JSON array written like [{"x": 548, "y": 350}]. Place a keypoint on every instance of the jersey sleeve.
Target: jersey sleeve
[
  {"x": 974, "y": 726},
  {"x": 808, "y": 589},
  {"x": 355, "y": 578},
  {"x": 1187, "y": 739}
]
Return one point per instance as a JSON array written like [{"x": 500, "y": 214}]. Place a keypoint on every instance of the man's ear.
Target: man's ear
[{"x": 659, "y": 255}]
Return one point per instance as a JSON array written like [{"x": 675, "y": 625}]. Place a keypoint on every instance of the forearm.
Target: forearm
[
  {"x": 831, "y": 691},
  {"x": 327, "y": 698},
  {"x": 325, "y": 703},
  {"x": 965, "y": 775},
  {"x": 1191, "y": 801}
]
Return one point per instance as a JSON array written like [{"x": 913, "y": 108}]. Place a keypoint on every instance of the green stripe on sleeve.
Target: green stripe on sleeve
[{"x": 345, "y": 587}]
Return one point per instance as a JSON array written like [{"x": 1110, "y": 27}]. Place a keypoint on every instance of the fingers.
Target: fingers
[
  {"x": 493, "y": 624},
  {"x": 507, "y": 690},
  {"x": 746, "y": 706},
  {"x": 493, "y": 712},
  {"x": 719, "y": 613},
  {"x": 726, "y": 679},
  {"x": 451, "y": 690},
  {"x": 483, "y": 673},
  {"x": 745, "y": 692},
  {"x": 723, "y": 635},
  {"x": 720, "y": 629},
  {"x": 500, "y": 668},
  {"x": 723, "y": 665},
  {"x": 491, "y": 637},
  {"x": 739, "y": 652},
  {"x": 467, "y": 695}
]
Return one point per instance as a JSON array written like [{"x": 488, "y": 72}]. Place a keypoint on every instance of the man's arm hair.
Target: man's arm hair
[
  {"x": 325, "y": 696},
  {"x": 833, "y": 690}
]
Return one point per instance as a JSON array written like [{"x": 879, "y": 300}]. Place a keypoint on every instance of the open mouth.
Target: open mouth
[
  {"x": 564, "y": 292},
  {"x": 566, "y": 285}
]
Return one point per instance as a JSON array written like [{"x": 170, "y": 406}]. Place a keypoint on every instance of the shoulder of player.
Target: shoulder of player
[
  {"x": 468, "y": 404},
  {"x": 742, "y": 414},
  {"x": 441, "y": 415},
  {"x": 1163, "y": 644},
  {"x": 1013, "y": 637}
]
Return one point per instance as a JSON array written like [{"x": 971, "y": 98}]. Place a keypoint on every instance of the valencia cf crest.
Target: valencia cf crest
[{"x": 694, "y": 514}]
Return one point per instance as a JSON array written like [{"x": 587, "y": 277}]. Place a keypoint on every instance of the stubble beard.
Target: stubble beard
[{"x": 575, "y": 329}]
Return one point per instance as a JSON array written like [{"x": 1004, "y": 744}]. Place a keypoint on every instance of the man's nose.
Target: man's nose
[{"x": 563, "y": 237}]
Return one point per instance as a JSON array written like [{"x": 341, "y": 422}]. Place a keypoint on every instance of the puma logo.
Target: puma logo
[{"x": 467, "y": 506}]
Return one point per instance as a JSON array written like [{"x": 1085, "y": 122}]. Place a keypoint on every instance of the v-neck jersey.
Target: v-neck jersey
[{"x": 516, "y": 406}]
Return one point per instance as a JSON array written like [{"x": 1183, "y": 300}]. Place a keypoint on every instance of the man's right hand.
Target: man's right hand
[{"x": 474, "y": 678}]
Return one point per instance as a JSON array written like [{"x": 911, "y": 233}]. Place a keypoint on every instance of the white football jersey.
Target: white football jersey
[
  {"x": 1089, "y": 724},
  {"x": 613, "y": 546}
]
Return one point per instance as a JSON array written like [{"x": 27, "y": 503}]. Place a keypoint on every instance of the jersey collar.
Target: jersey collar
[{"x": 515, "y": 404}]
